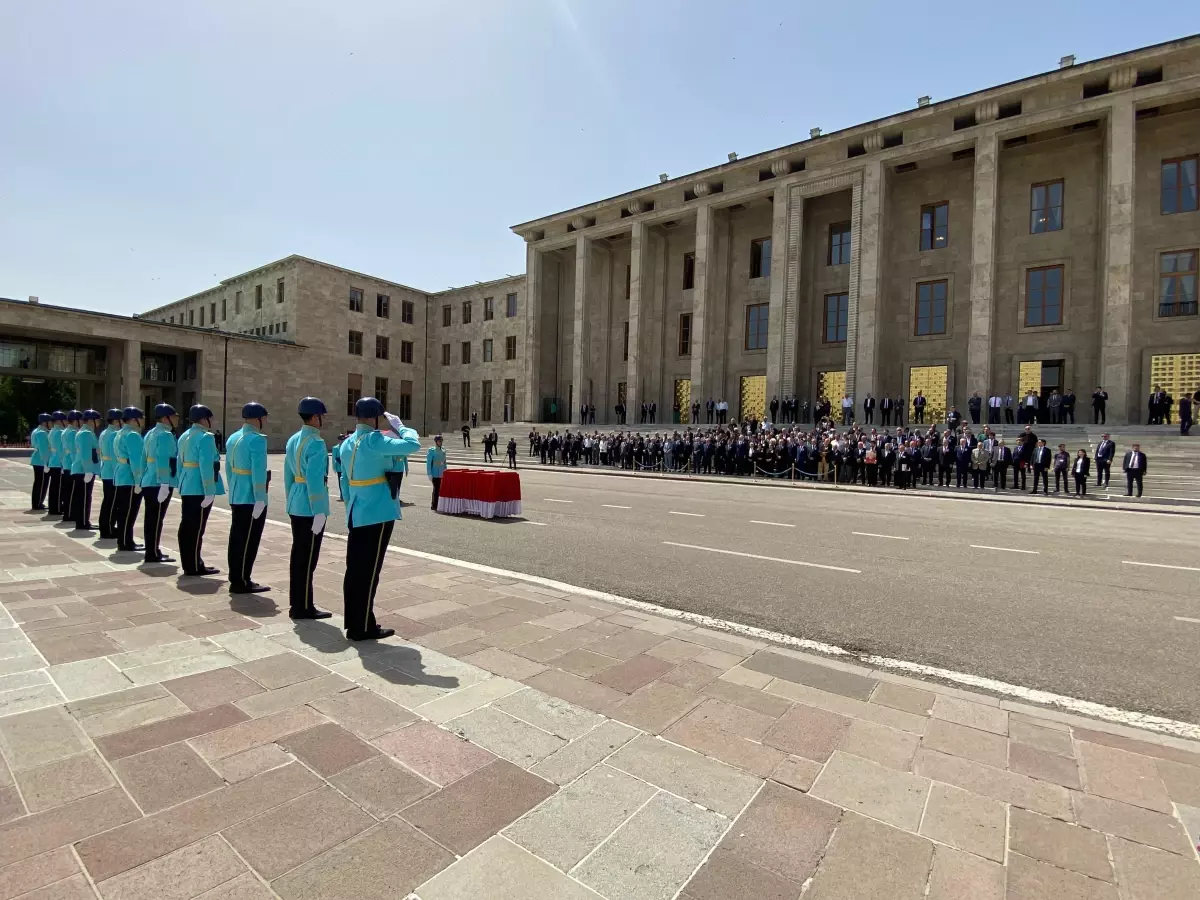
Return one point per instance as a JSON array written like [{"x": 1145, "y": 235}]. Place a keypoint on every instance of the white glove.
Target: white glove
[
  {"x": 259, "y": 507},
  {"x": 395, "y": 422},
  {"x": 207, "y": 501},
  {"x": 137, "y": 488},
  {"x": 318, "y": 523},
  {"x": 89, "y": 478},
  {"x": 164, "y": 491}
]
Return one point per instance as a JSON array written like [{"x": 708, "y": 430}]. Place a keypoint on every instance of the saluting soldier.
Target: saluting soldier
[
  {"x": 306, "y": 482},
  {"x": 108, "y": 467},
  {"x": 130, "y": 466},
  {"x": 84, "y": 469},
  {"x": 58, "y": 418},
  {"x": 246, "y": 457},
  {"x": 372, "y": 508},
  {"x": 39, "y": 439},
  {"x": 67, "y": 481},
  {"x": 158, "y": 480},
  {"x": 199, "y": 485}
]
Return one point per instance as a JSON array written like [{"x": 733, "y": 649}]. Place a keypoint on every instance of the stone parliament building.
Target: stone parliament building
[{"x": 1043, "y": 234}]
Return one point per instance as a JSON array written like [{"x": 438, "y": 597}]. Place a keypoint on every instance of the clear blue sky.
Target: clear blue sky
[{"x": 149, "y": 149}]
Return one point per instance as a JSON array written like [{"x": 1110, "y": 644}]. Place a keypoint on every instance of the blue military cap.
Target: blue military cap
[
  {"x": 311, "y": 406},
  {"x": 132, "y": 412},
  {"x": 58, "y": 416},
  {"x": 199, "y": 411},
  {"x": 162, "y": 410},
  {"x": 113, "y": 415},
  {"x": 43, "y": 418},
  {"x": 253, "y": 410},
  {"x": 368, "y": 408},
  {"x": 91, "y": 415},
  {"x": 74, "y": 416}
]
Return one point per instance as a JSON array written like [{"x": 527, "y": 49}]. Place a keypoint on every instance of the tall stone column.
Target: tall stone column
[
  {"x": 703, "y": 279},
  {"x": 581, "y": 346},
  {"x": 1118, "y": 258},
  {"x": 641, "y": 294},
  {"x": 983, "y": 268},
  {"x": 866, "y": 252},
  {"x": 131, "y": 373},
  {"x": 533, "y": 339},
  {"x": 781, "y": 326}
]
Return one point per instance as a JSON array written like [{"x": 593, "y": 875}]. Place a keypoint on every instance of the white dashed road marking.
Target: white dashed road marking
[
  {"x": 674, "y": 513},
  {"x": 614, "y": 506},
  {"x": 1130, "y": 562},
  {"x": 552, "y": 500},
  {"x": 776, "y": 524},
  {"x": 1186, "y": 619},
  {"x": 1005, "y": 549},
  {"x": 890, "y": 537},
  {"x": 788, "y": 562},
  {"x": 528, "y": 522}
]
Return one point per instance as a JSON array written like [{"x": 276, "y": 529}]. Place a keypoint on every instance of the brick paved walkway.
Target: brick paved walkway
[{"x": 163, "y": 740}]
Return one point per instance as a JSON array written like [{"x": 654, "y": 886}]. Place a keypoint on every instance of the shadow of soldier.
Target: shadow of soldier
[{"x": 400, "y": 664}]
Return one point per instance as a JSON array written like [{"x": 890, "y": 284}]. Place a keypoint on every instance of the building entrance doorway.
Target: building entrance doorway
[
  {"x": 1042, "y": 377},
  {"x": 753, "y": 397},
  {"x": 683, "y": 398},
  {"x": 1177, "y": 373},
  {"x": 931, "y": 382},
  {"x": 832, "y": 386}
]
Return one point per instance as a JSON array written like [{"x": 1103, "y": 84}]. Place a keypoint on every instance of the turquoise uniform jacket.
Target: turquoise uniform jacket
[
  {"x": 366, "y": 455},
  {"x": 67, "y": 443},
  {"x": 306, "y": 473},
  {"x": 39, "y": 439},
  {"x": 337, "y": 458},
  {"x": 127, "y": 454},
  {"x": 108, "y": 462},
  {"x": 55, "y": 436},
  {"x": 160, "y": 450},
  {"x": 246, "y": 459},
  {"x": 87, "y": 453},
  {"x": 200, "y": 464},
  {"x": 435, "y": 462}
]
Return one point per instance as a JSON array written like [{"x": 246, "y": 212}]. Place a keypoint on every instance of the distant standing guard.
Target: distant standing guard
[
  {"x": 67, "y": 481},
  {"x": 108, "y": 468},
  {"x": 84, "y": 469},
  {"x": 372, "y": 509},
  {"x": 159, "y": 478},
  {"x": 246, "y": 457},
  {"x": 199, "y": 485},
  {"x": 435, "y": 467},
  {"x": 58, "y": 419},
  {"x": 39, "y": 440},
  {"x": 306, "y": 482},
  {"x": 337, "y": 463},
  {"x": 130, "y": 466}
]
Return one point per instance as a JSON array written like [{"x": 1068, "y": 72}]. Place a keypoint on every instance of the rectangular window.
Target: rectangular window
[
  {"x": 202, "y": 317},
  {"x": 760, "y": 258},
  {"x": 1179, "y": 185},
  {"x": 685, "y": 334},
  {"x": 172, "y": 320},
  {"x": 224, "y": 308},
  {"x": 406, "y": 312},
  {"x": 445, "y": 354},
  {"x": 444, "y": 408},
  {"x": 406, "y": 352},
  {"x": 1177, "y": 283},
  {"x": 487, "y": 349},
  {"x": 1043, "y": 296},
  {"x": 935, "y": 226},
  {"x": 489, "y": 308},
  {"x": 279, "y": 291},
  {"x": 837, "y": 318},
  {"x": 466, "y": 312},
  {"x": 212, "y": 313},
  {"x": 405, "y": 400},
  {"x": 510, "y": 399},
  {"x": 485, "y": 401},
  {"x": 381, "y": 346},
  {"x": 464, "y": 400},
  {"x": 466, "y": 352},
  {"x": 757, "y": 317},
  {"x": 381, "y": 386},
  {"x": 510, "y": 305},
  {"x": 447, "y": 316},
  {"x": 237, "y": 302},
  {"x": 839, "y": 244},
  {"x": 625, "y": 343},
  {"x": 353, "y": 392},
  {"x": 689, "y": 271},
  {"x": 510, "y": 347},
  {"x": 628, "y": 281},
  {"x": 356, "y": 300},
  {"x": 931, "y": 308},
  {"x": 1046, "y": 207},
  {"x": 258, "y": 296},
  {"x": 355, "y": 343},
  {"x": 383, "y": 306},
  {"x": 191, "y": 317},
  {"x": 285, "y": 326}
]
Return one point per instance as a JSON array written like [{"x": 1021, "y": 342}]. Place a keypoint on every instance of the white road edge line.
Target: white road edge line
[
  {"x": 1114, "y": 714},
  {"x": 672, "y": 512},
  {"x": 790, "y": 562},
  {"x": 1130, "y": 562},
  {"x": 1186, "y": 619},
  {"x": 890, "y": 537},
  {"x": 1006, "y": 549},
  {"x": 776, "y": 524},
  {"x": 614, "y": 506},
  {"x": 552, "y": 500}
]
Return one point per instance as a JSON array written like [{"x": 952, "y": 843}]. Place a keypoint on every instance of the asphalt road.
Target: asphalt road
[{"x": 1044, "y": 597}]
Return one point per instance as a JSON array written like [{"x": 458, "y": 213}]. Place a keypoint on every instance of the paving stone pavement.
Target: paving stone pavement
[{"x": 162, "y": 739}]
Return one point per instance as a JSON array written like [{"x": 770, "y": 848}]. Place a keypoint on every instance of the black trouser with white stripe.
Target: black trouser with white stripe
[
  {"x": 245, "y": 532},
  {"x": 53, "y": 479},
  {"x": 365, "y": 550},
  {"x": 108, "y": 528},
  {"x": 66, "y": 494},
  {"x": 192, "y": 522},
  {"x": 125, "y": 512},
  {"x": 306, "y": 551},
  {"x": 38, "y": 496},
  {"x": 81, "y": 502},
  {"x": 152, "y": 521}
]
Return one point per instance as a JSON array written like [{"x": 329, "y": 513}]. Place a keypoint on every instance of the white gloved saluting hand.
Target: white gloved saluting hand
[
  {"x": 395, "y": 422},
  {"x": 207, "y": 501},
  {"x": 318, "y": 524},
  {"x": 259, "y": 506},
  {"x": 89, "y": 478},
  {"x": 164, "y": 491}
]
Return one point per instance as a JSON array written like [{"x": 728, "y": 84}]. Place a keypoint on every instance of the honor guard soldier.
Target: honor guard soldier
[
  {"x": 39, "y": 440},
  {"x": 158, "y": 480},
  {"x": 199, "y": 484},
  {"x": 67, "y": 481},
  {"x": 372, "y": 508},
  {"x": 58, "y": 419},
  {"x": 246, "y": 459},
  {"x": 130, "y": 465},
  {"x": 306, "y": 483},
  {"x": 108, "y": 468},
  {"x": 84, "y": 469}
]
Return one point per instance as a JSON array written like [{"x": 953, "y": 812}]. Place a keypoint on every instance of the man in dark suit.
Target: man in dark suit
[
  {"x": 885, "y": 409},
  {"x": 1185, "y": 414},
  {"x": 929, "y": 461},
  {"x": 1099, "y": 402},
  {"x": 1068, "y": 406},
  {"x": 962, "y": 463},
  {"x": 1041, "y": 464},
  {"x": 1001, "y": 459},
  {"x": 869, "y": 409},
  {"x": 1134, "y": 466},
  {"x": 974, "y": 407},
  {"x": 919, "y": 402},
  {"x": 1105, "y": 451}
]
